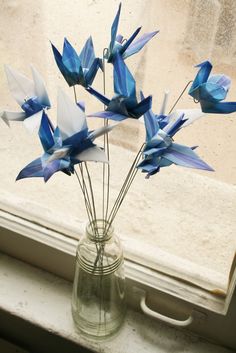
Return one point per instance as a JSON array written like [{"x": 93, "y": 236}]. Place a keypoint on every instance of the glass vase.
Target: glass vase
[{"x": 98, "y": 300}]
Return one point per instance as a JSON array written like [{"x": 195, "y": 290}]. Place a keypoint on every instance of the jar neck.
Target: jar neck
[{"x": 99, "y": 230}]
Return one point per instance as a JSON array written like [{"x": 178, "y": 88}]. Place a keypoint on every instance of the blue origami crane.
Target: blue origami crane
[
  {"x": 78, "y": 69},
  {"x": 127, "y": 47},
  {"x": 124, "y": 104},
  {"x": 160, "y": 150},
  {"x": 211, "y": 91},
  {"x": 30, "y": 95},
  {"x": 69, "y": 144}
]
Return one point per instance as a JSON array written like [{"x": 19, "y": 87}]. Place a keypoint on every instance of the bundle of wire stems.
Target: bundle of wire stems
[{"x": 85, "y": 182}]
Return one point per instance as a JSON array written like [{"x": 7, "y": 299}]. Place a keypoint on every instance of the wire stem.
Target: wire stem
[
  {"x": 181, "y": 94},
  {"x": 124, "y": 189}
]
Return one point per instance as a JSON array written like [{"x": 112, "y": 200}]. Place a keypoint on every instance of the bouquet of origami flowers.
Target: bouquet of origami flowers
[{"x": 70, "y": 145}]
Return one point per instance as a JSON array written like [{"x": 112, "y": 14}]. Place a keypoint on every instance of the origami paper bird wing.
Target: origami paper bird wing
[
  {"x": 218, "y": 108},
  {"x": 150, "y": 121},
  {"x": 124, "y": 83},
  {"x": 107, "y": 114},
  {"x": 40, "y": 89},
  {"x": 20, "y": 86},
  {"x": 186, "y": 157},
  {"x": 100, "y": 132},
  {"x": 93, "y": 154},
  {"x": 7, "y": 116},
  {"x": 98, "y": 95},
  {"x": 33, "y": 169},
  {"x": 45, "y": 133},
  {"x": 201, "y": 78},
  {"x": 87, "y": 54},
  {"x": 70, "y": 118},
  {"x": 32, "y": 123},
  {"x": 138, "y": 44},
  {"x": 114, "y": 28}
]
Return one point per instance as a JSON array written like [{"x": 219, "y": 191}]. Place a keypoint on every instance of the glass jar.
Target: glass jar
[{"x": 98, "y": 300}]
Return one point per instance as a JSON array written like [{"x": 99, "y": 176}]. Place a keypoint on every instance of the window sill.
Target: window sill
[
  {"x": 54, "y": 252},
  {"x": 43, "y": 301}
]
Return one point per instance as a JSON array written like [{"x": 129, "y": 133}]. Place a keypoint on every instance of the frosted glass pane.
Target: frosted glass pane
[{"x": 179, "y": 219}]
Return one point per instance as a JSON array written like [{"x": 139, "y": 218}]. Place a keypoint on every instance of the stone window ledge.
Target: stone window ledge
[{"x": 41, "y": 301}]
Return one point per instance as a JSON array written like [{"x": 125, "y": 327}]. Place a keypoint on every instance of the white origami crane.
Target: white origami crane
[{"x": 31, "y": 95}]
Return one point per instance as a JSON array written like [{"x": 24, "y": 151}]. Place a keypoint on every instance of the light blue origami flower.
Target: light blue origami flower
[
  {"x": 124, "y": 104},
  {"x": 160, "y": 150},
  {"x": 211, "y": 91},
  {"x": 71, "y": 142},
  {"x": 77, "y": 69},
  {"x": 30, "y": 95},
  {"x": 127, "y": 47}
]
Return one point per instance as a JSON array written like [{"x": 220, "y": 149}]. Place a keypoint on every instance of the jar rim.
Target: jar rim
[{"x": 99, "y": 230}]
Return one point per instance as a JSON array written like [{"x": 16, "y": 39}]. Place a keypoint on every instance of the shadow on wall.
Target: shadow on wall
[{"x": 211, "y": 30}]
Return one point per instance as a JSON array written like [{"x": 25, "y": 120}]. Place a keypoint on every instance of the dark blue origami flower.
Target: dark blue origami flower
[
  {"x": 127, "y": 47},
  {"x": 211, "y": 91},
  {"x": 77, "y": 69},
  {"x": 71, "y": 142},
  {"x": 31, "y": 95},
  {"x": 124, "y": 104},
  {"x": 160, "y": 150}
]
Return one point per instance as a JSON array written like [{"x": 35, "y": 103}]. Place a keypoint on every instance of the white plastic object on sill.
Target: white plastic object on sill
[{"x": 195, "y": 315}]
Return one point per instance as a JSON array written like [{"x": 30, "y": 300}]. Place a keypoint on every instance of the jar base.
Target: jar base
[{"x": 97, "y": 331}]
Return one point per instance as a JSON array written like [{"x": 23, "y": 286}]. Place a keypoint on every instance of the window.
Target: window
[{"x": 180, "y": 222}]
